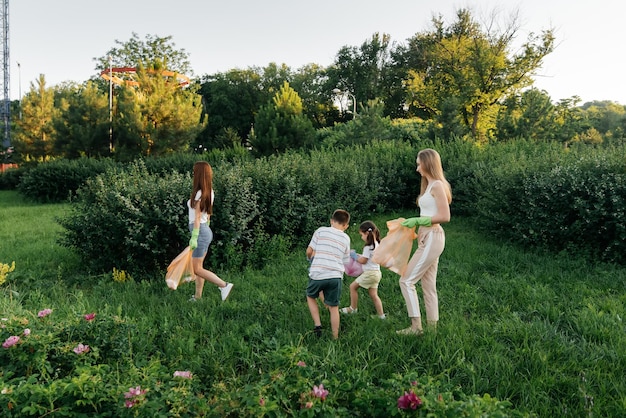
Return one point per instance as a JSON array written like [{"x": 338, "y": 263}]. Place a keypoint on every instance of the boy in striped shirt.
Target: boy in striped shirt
[{"x": 329, "y": 250}]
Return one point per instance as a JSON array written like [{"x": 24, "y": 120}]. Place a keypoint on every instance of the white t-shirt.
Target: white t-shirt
[
  {"x": 368, "y": 252},
  {"x": 192, "y": 212}
]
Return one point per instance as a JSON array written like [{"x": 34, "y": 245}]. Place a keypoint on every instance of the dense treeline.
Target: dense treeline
[{"x": 458, "y": 79}]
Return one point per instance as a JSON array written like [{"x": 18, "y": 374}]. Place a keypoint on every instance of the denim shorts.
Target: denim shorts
[{"x": 204, "y": 240}]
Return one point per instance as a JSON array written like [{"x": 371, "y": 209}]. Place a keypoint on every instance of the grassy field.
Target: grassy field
[{"x": 544, "y": 331}]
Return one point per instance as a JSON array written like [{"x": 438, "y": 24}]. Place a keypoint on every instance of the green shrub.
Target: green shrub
[
  {"x": 55, "y": 181},
  {"x": 10, "y": 179},
  {"x": 129, "y": 219},
  {"x": 575, "y": 204}
]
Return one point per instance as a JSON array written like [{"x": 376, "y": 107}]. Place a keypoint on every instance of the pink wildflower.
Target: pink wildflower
[
  {"x": 320, "y": 392},
  {"x": 26, "y": 332},
  {"x": 409, "y": 401},
  {"x": 133, "y": 392},
  {"x": 90, "y": 316},
  {"x": 262, "y": 401},
  {"x": 44, "y": 313},
  {"x": 301, "y": 364},
  {"x": 11, "y": 341},
  {"x": 308, "y": 405},
  {"x": 134, "y": 396},
  {"x": 80, "y": 349},
  {"x": 184, "y": 375}
]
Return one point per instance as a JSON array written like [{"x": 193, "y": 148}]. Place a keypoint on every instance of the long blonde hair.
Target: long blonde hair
[
  {"x": 430, "y": 165},
  {"x": 203, "y": 180}
]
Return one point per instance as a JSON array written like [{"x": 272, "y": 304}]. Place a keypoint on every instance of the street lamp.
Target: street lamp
[
  {"x": 110, "y": 105},
  {"x": 347, "y": 93},
  {"x": 19, "y": 81}
]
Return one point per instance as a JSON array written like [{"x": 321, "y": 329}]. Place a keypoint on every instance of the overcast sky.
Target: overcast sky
[{"x": 60, "y": 38}]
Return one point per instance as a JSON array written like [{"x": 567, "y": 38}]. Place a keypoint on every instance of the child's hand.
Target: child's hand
[{"x": 354, "y": 255}]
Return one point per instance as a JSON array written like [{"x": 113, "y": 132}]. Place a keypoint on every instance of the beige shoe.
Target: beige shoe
[
  {"x": 348, "y": 310},
  {"x": 410, "y": 331}
]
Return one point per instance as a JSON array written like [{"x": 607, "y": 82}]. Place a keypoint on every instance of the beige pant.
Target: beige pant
[{"x": 423, "y": 266}]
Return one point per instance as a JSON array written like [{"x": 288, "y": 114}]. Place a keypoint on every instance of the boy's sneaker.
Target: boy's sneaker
[
  {"x": 225, "y": 291},
  {"x": 383, "y": 316},
  {"x": 318, "y": 330},
  {"x": 193, "y": 298},
  {"x": 348, "y": 310}
]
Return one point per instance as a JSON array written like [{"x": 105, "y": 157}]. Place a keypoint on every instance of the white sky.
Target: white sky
[{"x": 60, "y": 38}]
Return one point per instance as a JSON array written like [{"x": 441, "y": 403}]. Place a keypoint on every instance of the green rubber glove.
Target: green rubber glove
[
  {"x": 193, "y": 242},
  {"x": 421, "y": 221}
]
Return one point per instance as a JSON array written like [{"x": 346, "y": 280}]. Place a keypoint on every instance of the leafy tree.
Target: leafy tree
[
  {"x": 315, "y": 89},
  {"x": 231, "y": 101},
  {"x": 569, "y": 120},
  {"x": 155, "y": 118},
  {"x": 472, "y": 64},
  {"x": 82, "y": 123},
  {"x": 606, "y": 117},
  {"x": 281, "y": 125},
  {"x": 154, "y": 49},
  {"x": 528, "y": 115},
  {"x": 361, "y": 71},
  {"x": 35, "y": 132}
]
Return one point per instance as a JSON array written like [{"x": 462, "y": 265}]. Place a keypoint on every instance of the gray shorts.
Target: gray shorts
[{"x": 204, "y": 240}]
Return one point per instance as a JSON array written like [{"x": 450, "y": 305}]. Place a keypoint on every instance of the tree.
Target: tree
[
  {"x": 35, "y": 130},
  {"x": 472, "y": 64},
  {"x": 155, "y": 118},
  {"x": 362, "y": 70},
  {"x": 231, "y": 101},
  {"x": 528, "y": 115},
  {"x": 281, "y": 125},
  {"x": 315, "y": 89},
  {"x": 136, "y": 52},
  {"x": 82, "y": 123}
]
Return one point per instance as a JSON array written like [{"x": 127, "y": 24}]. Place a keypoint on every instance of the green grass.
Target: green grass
[{"x": 540, "y": 330}]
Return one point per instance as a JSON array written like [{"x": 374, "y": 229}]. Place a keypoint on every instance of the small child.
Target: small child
[
  {"x": 328, "y": 250},
  {"x": 371, "y": 271}
]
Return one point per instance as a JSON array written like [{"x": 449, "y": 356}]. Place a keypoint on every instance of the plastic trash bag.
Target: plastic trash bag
[
  {"x": 353, "y": 268},
  {"x": 180, "y": 268},
  {"x": 394, "y": 250}
]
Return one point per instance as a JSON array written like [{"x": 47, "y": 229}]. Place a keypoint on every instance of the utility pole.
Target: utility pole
[{"x": 5, "y": 66}]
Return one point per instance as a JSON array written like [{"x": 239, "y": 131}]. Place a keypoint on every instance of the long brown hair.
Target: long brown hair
[
  {"x": 430, "y": 165},
  {"x": 203, "y": 180}
]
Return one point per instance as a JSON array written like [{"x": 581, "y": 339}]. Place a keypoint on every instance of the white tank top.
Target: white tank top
[{"x": 428, "y": 206}]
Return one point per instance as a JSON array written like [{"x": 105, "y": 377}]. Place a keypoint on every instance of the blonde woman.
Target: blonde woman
[{"x": 434, "y": 203}]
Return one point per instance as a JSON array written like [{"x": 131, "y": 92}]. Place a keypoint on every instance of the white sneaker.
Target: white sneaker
[{"x": 225, "y": 291}]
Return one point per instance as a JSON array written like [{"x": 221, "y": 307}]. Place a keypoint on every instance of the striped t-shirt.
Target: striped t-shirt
[{"x": 332, "y": 251}]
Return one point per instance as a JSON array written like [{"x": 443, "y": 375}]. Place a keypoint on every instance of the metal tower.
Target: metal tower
[{"x": 5, "y": 64}]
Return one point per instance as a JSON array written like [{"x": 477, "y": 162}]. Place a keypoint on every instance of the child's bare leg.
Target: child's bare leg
[
  {"x": 378, "y": 304},
  {"x": 334, "y": 320},
  {"x": 314, "y": 309},
  {"x": 354, "y": 295}
]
